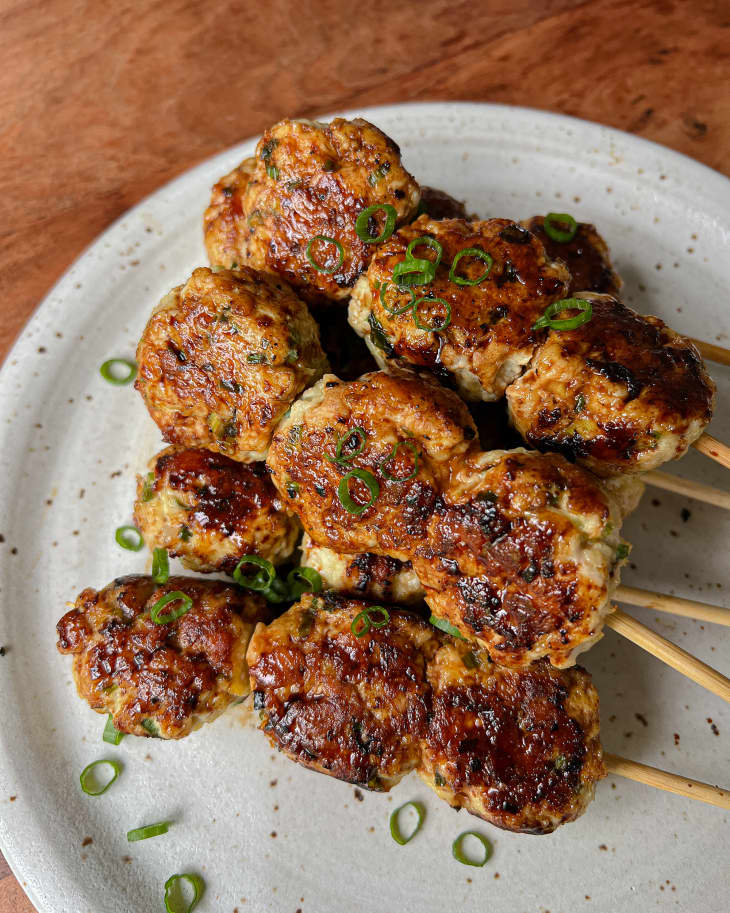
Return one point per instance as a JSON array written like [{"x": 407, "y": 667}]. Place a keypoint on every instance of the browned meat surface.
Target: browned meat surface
[
  {"x": 308, "y": 179},
  {"x": 622, "y": 393},
  {"x": 428, "y": 425},
  {"x": 223, "y": 357},
  {"x": 352, "y": 707},
  {"x": 488, "y": 337},
  {"x": 521, "y": 750},
  {"x": 162, "y": 679},
  {"x": 586, "y": 255},
  {"x": 210, "y": 511}
]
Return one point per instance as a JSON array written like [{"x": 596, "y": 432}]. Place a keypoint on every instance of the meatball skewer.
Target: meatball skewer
[
  {"x": 518, "y": 550},
  {"x": 368, "y": 693}
]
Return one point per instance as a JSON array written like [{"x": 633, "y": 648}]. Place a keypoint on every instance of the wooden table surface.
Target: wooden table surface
[{"x": 102, "y": 103}]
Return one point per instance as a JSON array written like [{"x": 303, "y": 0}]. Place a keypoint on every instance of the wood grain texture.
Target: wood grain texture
[{"x": 101, "y": 103}]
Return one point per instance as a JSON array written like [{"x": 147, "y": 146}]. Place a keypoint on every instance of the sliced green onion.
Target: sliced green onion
[
  {"x": 261, "y": 580},
  {"x": 303, "y": 580},
  {"x": 562, "y": 235},
  {"x": 470, "y": 252},
  {"x": 109, "y": 371},
  {"x": 151, "y": 728},
  {"x": 566, "y": 323},
  {"x": 391, "y": 456},
  {"x": 414, "y": 272},
  {"x": 174, "y": 900},
  {"x": 363, "y": 229},
  {"x": 129, "y": 537},
  {"x": 343, "y": 490},
  {"x": 148, "y": 491},
  {"x": 623, "y": 551},
  {"x": 273, "y": 172},
  {"x": 470, "y": 660},
  {"x": 278, "y": 592},
  {"x": 446, "y": 626},
  {"x": 435, "y": 327},
  {"x": 426, "y": 241},
  {"x": 395, "y": 831},
  {"x": 458, "y": 852},
  {"x": 327, "y": 240},
  {"x": 400, "y": 310},
  {"x": 111, "y": 735},
  {"x": 149, "y": 830},
  {"x": 364, "y": 620},
  {"x": 358, "y": 432},
  {"x": 174, "y": 596},
  {"x": 90, "y": 785},
  {"x": 160, "y": 566}
]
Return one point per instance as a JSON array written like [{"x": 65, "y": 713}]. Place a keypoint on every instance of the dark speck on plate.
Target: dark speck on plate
[{"x": 685, "y": 514}]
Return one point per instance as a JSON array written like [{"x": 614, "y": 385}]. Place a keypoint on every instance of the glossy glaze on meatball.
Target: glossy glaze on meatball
[
  {"x": 622, "y": 393},
  {"x": 167, "y": 679},
  {"x": 437, "y": 204},
  {"x": 519, "y": 749},
  {"x": 489, "y": 337},
  {"x": 522, "y": 555},
  {"x": 210, "y": 511},
  {"x": 586, "y": 255},
  {"x": 309, "y": 180},
  {"x": 364, "y": 576},
  {"x": 352, "y": 707},
  {"x": 223, "y": 357},
  {"x": 428, "y": 427}
]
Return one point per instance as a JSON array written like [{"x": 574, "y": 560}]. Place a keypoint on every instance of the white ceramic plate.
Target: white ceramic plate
[{"x": 70, "y": 447}]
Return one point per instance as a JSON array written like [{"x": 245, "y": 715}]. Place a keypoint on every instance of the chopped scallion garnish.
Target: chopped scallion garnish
[
  {"x": 175, "y": 902},
  {"x": 375, "y": 616},
  {"x": 585, "y": 309},
  {"x": 91, "y": 785},
  {"x": 129, "y": 537},
  {"x": 391, "y": 456},
  {"x": 413, "y": 271},
  {"x": 339, "y": 457},
  {"x": 261, "y": 580},
  {"x": 303, "y": 580},
  {"x": 446, "y": 626},
  {"x": 111, "y": 372},
  {"x": 433, "y": 327},
  {"x": 160, "y": 565},
  {"x": 111, "y": 735},
  {"x": 470, "y": 252},
  {"x": 458, "y": 851},
  {"x": 362, "y": 223},
  {"x": 395, "y": 831},
  {"x": 560, "y": 227},
  {"x": 343, "y": 490},
  {"x": 396, "y": 310},
  {"x": 325, "y": 239},
  {"x": 426, "y": 241},
  {"x": 149, "y": 830},
  {"x": 186, "y": 603}
]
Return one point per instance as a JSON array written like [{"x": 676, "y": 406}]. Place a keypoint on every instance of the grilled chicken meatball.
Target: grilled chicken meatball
[
  {"x": 586, "y": 255},
  {"x": 223, "y": 357},
  {"x": 621, "y": 394},
  {"x": 519, "y": 749},
  {"x": 210, "y": 511},
  {"x": 488, "y": 336},
  {"x": 309, "y": 180},
  {"x": 351, "y": 707},
  {"x": 336, "y": 429},
  {"x": 437, "y": 204},
  {"x": 522, "y": 555},
  {"x": 160, "y": 679},
  {"x": 365, "y": 576}
]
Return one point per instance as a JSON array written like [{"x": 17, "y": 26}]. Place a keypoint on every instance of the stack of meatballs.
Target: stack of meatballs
[{"x": 330, "y": 384}]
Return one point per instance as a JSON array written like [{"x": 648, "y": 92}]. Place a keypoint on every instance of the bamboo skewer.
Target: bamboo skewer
[
  {"x": 675, "y": 605},
  {"x": 714, "y": 449},
  {"x": 669, "y": 653},
  {"x": 672, "y": 783},
  {"x": 695, "y": 490},
  {"x": 711, "y": 351}
]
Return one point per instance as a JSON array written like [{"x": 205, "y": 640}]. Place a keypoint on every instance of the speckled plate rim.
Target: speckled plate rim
[{"x": 686, "y": 176}]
